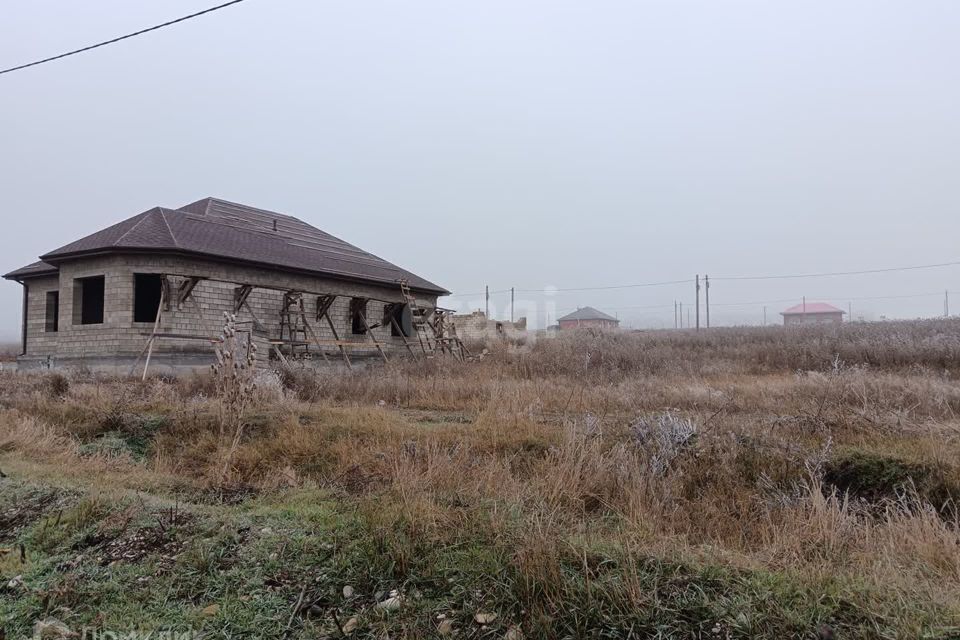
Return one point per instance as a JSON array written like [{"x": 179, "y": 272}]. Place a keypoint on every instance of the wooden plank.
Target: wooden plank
[
  {"x": 181, "y": 336},
  {"x": 279, "y": 353},
  {"x": 156, "y": 325},
  {"x": 330, "y": 343}
]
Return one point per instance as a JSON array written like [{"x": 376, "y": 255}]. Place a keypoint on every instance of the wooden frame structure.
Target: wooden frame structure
[{"x": 432, "y": 325}]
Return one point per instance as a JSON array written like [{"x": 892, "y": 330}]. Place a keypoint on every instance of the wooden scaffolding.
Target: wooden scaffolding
[{"x": 298, "y": 339}]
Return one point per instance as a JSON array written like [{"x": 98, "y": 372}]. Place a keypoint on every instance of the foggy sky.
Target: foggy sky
[{"x": 513, "y": 144}]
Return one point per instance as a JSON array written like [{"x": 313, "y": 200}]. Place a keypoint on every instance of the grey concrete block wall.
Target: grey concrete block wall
[
  {"x": 201, "y": 313},
  {"x": 39, "y": 341},
  {"x": 475, "y": 327}
]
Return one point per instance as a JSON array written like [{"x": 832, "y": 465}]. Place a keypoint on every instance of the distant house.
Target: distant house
[
  {"x": 587, "y": 317},
  {"x": 812, "y": 313}
]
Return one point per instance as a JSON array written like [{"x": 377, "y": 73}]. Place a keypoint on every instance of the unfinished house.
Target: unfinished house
[
  {"x": 155, "y": 288},
  {"x": 476, "y": 327}
]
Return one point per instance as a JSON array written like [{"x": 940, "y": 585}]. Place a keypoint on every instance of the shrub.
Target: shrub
[
  {"x": 57, "y": 385},
  {"x": 876, "y": 477}
]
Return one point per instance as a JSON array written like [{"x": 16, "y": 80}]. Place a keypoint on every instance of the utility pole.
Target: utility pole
[
  {"x": 706, "y": 281},
  {"x": 698, "y": 302},
  {"x": 681, "y": 315},
  {"x": 487, "y": 311},
  {"x": 804, "y": 306},
  {"x": 849, "y": 311},
  {"x": 946, "y": 304},
  {"x": 764, "y": 316},
  {"x": 511, "y": 304},
  {"x": 675, "y": 325}
]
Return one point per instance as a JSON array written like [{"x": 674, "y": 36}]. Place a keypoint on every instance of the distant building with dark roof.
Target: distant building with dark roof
[
  {"x": 812, "y": 313},
  {"x": 587, "y": 317},
  {"x": 174, "y": 273}
]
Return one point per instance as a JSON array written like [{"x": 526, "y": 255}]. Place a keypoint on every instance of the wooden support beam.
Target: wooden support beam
[
  {"x": 323, "y": 305},
  {"x": 307, "y": 328},
  {"x": 257, "y": 325},
  {"x": 323, "y": 311},
  {"x": 396, "y": 325},
  {"x": 373, "y": 338},
  {"x": 156, "y": 325},
  {"x": 185, "y": 289},
  {"x": 165, "y": 292},
  {"x": 240, "y": 295}
]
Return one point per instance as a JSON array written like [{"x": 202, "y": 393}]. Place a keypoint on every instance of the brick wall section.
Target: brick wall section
[
  {"x": 201, "y": 314},
  {"x": 475, "y": 327},
  {"x": 597, "y": 323},
  {"x": 832, "y": 317}
]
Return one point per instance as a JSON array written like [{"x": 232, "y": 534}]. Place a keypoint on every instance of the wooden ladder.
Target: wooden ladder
[
  {"x": 293, "y": 326},
  {"x": 420, "y": 320}
]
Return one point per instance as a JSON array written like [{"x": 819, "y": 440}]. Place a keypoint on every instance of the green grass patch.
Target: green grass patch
[{"x": 237, "y": 571}]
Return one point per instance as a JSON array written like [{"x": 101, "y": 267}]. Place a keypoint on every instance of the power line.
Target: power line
[
  {"x": 618, "y": 286},
  {"x": 622, "y": 307},
  {"x": 118, "y": 39},
  {"x": 852, "y": 298},
  {"x": 841, "y": 273},
  {"x": 476, "y": 293},
  {"x": 546, "y": 290}
]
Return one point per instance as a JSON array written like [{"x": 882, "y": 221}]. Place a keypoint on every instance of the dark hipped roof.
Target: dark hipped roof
[
  {"x": 587, "y": 313},
  {"x": 235, "y": 232},
  {"x": 38, "y": 268}
]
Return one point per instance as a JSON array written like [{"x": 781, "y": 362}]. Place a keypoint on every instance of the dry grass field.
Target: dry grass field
[{"x": 737, "y": 483}]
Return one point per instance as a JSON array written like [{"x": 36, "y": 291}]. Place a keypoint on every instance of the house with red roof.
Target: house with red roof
[
  {"x": 587, "y": 317},
  {"x": 807, "y": 313}
]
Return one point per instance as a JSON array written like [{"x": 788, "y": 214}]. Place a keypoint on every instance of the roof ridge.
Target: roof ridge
[
  {"x": 163, "y": 216},
  {"x": 139, "y": 222},
  {"x": 210, "y": 200}
]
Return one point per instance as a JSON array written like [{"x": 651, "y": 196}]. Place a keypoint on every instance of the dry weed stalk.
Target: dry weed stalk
[{"x": 233, "y": 374}]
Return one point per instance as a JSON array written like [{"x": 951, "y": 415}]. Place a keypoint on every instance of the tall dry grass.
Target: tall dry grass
[{"x": 719, "y": 448}]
